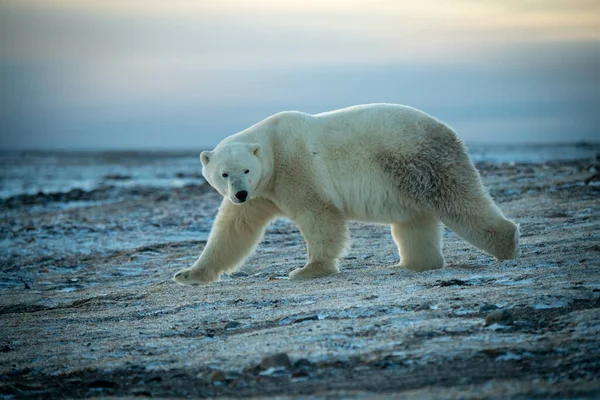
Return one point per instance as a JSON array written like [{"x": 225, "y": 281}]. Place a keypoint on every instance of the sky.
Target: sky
[{"x": 183, "y": 74}]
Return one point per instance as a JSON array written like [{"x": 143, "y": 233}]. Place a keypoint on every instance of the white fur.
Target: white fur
[{"x": 380, "y": 163}]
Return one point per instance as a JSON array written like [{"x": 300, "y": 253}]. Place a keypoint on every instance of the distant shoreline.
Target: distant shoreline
[
  {"x": 180, "y": 151},
  {"x": 31, "y": 172}
]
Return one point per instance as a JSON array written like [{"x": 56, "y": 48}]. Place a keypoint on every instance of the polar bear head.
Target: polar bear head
[{"x": 234, "y": 170}]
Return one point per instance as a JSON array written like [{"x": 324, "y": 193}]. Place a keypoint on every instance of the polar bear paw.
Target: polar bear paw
[
  {"x": 195, "y": 277},
  {"x": 314, "y": 270}
]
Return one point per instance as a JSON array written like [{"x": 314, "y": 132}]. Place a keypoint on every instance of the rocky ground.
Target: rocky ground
[{"x": 88, "y": 307}]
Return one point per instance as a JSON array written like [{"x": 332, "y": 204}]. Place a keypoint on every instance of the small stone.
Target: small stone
[
  {"x": 217, "y": 376},
  {"x": 488, "y": 307},
  {"x": 276, "y": 360},
  {"x": 501, "y": 317},
  {"x": 252, "y": 369},
  {"x": 423, "y": 307},
  {"x": 452, "y": 282},
  {"x": 303, "y": 364},
  {"x": 300, "y": 374},
  {"x": 306, "y": 318},
  {"x": 232, "y": 325},
  {"x": 102, "y": 384},
  {"x": 142, "y": 393},
  {"x": 210, "y": 333}
]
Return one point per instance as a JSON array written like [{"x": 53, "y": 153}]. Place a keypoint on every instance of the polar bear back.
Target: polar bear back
[
  {"x": 347, "y": 157},
  {"x": 376, "y": 162}
]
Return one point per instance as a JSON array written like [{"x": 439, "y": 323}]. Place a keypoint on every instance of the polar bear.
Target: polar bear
[{"x": 381, "y": 163}]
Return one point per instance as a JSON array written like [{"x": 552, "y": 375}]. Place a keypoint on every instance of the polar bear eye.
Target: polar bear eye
[
  {"x": 247, "y": 171},
  {"x": 224, "y": 175}
]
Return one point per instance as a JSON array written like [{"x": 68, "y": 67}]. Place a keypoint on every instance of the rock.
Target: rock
[
  {"x": 117, "y": 177},
  {"x": 252, "y": 369},
  {"x": 300, "y": 374},
  {"x": 423, "y": 307},
  {"x": 307, "y": 318},
  {"x": 217, "y": 376},
  {"x": 102, "y": 384},
  {"x": 76, "y": 194},
  {"x": 488, "y": 307},
  {"x": 232, "y": 325},
  {"x": 276, "y": 360},
  {"x": 210, "y": 333},
  {"x": 303, "y": 364},
  {"x": 302, "y": 368},
  {"x": 501, "y": 317},
  {"x": 452, "y": 282},
  {"x": 181, "y": 175},
  {"x": 142, "y": 393}
]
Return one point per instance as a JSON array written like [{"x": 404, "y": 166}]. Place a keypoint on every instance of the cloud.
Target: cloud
[
  {"x": 115, "y": 73},
  {"x": 275, "y": 32}
]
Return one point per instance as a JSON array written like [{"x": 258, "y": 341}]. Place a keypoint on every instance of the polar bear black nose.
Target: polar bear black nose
[{"x": 241, "y": 195}]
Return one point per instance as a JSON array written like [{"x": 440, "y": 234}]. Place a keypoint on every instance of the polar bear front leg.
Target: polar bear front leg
[
  {"x": 235, "y": 233},
  {"x": 326, "y": 236},
  {"x": 419, "y": 243}
]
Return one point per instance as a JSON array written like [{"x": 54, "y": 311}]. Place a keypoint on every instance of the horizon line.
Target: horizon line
[{"x": 576, "y": 143}]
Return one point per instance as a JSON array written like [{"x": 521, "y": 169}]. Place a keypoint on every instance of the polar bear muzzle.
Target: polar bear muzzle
[
  {"x": 238, "y": 189},
  {"x": 242, "y": 195}
]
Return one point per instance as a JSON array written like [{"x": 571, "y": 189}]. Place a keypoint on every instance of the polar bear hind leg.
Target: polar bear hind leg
[
  {"x": 419, "y": 242},
  {"x": 485, "y": 227},
  {"x": 440, "y": 177}
]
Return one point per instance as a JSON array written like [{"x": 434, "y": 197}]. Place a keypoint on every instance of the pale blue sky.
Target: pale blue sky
[{"x": 115, "y": 74}]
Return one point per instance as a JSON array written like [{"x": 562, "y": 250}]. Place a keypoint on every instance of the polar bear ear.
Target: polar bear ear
[
  {"x": 205, "y": 157},
  {"x": 255, "y": 148}
]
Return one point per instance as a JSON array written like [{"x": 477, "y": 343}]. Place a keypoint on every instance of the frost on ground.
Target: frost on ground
[{"x": 88, "y": 307}]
